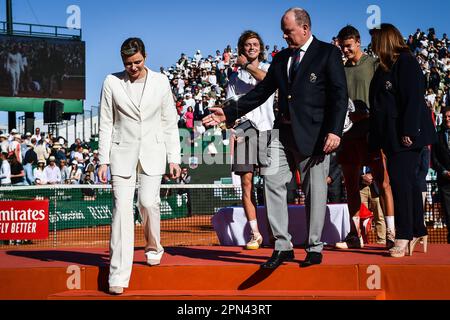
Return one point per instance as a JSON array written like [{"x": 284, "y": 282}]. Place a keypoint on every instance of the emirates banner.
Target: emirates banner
[
  {"x": 24, "y": 220},
  {"x": 72, "y": 209}
]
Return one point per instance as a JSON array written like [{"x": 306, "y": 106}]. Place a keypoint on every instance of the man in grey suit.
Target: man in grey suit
[{"x": 313, "y": 103}]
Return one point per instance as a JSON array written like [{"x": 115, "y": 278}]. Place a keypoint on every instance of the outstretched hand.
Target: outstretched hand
[{"x": 216, "y": 117}]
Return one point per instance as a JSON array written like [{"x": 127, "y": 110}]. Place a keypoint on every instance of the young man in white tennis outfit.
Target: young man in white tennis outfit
[{"x": 251, "y": 71}]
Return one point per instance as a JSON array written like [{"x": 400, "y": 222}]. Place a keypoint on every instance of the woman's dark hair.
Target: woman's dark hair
[
  {"x": 388, "y": 44},
  {"x": 249, "y": 34},
  {"x": 132, "y": 46}
]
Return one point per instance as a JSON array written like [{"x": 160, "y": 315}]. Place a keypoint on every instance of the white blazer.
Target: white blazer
[{"x": 132, "y": 132}]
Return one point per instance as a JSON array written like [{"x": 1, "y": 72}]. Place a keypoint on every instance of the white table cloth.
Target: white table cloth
[{"x": 232, "y": 228}]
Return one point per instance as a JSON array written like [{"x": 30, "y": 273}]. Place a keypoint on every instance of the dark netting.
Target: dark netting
[{"x": 81, "y": 216}]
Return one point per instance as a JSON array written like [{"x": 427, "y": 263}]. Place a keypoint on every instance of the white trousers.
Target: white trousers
[
  {"x": 122, "y": 228},
  {"x": 15, "y": 81}
]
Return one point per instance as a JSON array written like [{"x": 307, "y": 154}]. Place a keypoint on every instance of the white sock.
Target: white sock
[
  {"x": 254, "y": 226},
  {"x": 390, "y": 222}
]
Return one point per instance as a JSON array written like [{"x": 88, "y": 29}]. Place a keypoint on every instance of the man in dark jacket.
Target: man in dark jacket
[{"x": 313, "y": 101}]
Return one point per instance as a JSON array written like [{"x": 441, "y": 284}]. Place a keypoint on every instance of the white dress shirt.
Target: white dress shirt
[
  {"x": 39, "y": 175},
  {"x": 5, "y": 173},
  {"x": 52, "y": 174}
]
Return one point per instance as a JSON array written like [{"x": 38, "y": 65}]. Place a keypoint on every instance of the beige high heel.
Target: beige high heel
[
  {"x": 413, "y": 242},
  {"x": 400, "y": 249}
]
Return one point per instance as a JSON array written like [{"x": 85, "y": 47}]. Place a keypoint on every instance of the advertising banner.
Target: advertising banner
[{"x": 24, "y": 220}]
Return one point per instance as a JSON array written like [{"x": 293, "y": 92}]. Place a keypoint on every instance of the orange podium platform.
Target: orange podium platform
[{"x": 228, "y": 273}]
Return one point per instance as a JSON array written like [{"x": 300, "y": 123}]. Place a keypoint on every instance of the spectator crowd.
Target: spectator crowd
[
  {"x": 41, "y": 159},
  {"x": 199, "y": 82}
]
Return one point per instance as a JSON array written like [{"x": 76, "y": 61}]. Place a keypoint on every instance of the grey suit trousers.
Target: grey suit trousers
[{"x": 284, "y": 160}]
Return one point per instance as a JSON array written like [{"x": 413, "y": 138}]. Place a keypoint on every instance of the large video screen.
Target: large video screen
[{"x": 42, "y": 68}]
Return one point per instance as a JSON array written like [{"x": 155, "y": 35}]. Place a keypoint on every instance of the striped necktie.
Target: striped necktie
[{"x": 296, "y": 55}]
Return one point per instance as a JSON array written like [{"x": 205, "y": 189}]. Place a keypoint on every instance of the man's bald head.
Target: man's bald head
[
  {"x": 301, "y": 16},
  {"x": 296, "y": 26}
]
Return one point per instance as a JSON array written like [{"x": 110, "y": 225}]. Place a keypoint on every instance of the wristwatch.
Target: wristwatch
[{"x": 245, "y": 65}]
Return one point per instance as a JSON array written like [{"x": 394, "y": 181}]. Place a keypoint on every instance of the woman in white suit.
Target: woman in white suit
[{"x": 138, "y": 136}]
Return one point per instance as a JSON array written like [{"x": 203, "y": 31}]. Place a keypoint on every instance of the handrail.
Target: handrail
[{"x": 55, "y": 31}]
